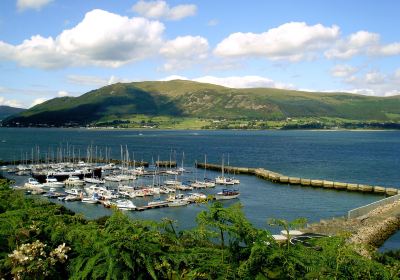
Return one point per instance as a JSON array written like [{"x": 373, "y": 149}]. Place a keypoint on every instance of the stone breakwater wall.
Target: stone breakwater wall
[{"x": 287, "y": 180}]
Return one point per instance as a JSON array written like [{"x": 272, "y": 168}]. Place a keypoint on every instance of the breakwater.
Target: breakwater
[
  {"x": 372, "y": 229},
  {"x": 306, "y": 182}
]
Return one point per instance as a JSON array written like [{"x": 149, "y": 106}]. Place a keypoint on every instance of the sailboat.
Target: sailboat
[
  {"x": 222, "y": 180},
  {"x": 208, "y": 183}
]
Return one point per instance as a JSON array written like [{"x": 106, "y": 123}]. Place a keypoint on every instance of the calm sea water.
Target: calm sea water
[{"x": 369, "y": 157}]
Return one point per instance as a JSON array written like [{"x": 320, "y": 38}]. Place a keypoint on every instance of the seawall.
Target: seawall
[{"x": 279, "y": 178}]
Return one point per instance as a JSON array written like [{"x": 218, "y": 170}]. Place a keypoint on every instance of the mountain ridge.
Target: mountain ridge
[
  {"x": 6, "y": 111},
  {"x": 181, "y": 98}
]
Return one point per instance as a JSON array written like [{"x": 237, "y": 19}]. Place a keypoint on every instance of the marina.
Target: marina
[{"x": 260, "y": 198}]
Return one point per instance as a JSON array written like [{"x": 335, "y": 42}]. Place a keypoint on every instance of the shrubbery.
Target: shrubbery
[{"x": 41, "y": 240}]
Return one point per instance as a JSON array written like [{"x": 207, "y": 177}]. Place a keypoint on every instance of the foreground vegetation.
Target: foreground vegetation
[{"x": 41, "y": 240}]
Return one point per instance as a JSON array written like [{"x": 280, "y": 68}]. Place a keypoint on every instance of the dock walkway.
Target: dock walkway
[{"x": 278, "y": 178}]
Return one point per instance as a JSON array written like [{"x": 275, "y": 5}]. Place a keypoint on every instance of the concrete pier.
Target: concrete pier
[
  {"x": 306, "y": 182},
  {"x": 369, "y": 225}
]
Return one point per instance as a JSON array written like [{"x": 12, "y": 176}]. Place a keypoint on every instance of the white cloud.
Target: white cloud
[
  {"x": 342, "y": 71},
  {"x": 374, "y": 77},
  {"x": 291, "y": 41},
  {"x": 38, "y": 101},
  {"x": 87, "y": 80},
  {"x": 243, "y": 82},
  {"x": 397, "y": 74},
  {"x": 385, "y": 50},
  {"x": 362, "y": 43},
  {"x": 235, "y": 81},
  {"x": 12, "y": 103},
  {"x": 112, "y": 40},
  {"x": 354, "y": 44},
  {"x": 374, "y": 83},
  {"x": 96, "y": 81},
  {"x": 160, "y": 10},
  {"x": 62, "y": 93},
  {"x": 32, "y": 4},
  {"x": 174, "y": 77},
  {"x": 183, "y": 51},
  {"x": 101, "y": 38}
]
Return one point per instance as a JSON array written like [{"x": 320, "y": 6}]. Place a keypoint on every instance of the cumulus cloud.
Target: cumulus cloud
[
  {"x": 235, "y": 81},
  {"x": 385, "y": 50},
  {"x": 243, "y": 82},
  {"x": 183, "y": 51},
  {"x": 87, "y": 80},
  {"x": 342, "y": 71},
  {"x": 32, "y": 4},
  {"x": 96, "y": 81},
  {"x": 397, "y": 74},
  {"x": 101, "y": 38},
  {"x": 62, "y": 93},
  {"x": 38, "y": 101},
  {"x": 11, "y": 103},
  {"x": 362, "y": 43},
  {"x": 374, "y": 83},
  {"x": 292, "y": 41},
  {"x": 160, "y": 10},
  {"x": 352, "y": 45}
]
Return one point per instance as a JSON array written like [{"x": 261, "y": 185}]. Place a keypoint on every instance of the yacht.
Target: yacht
[
  {"x": 125, "y": 204},
  {"x": 172, "y": 182},
  {"x": 178, "y": 202},
  {"x": 32, "y": 183},
  {"x": 72, "y": 197},
  {"x": 227, "y": 194},
  {"x": 198, "y": 185},
  {"x": 195, "y": 197},
  {"x": 223, "y": 181},
  {"x": 74, "y": 181},
  {"x": 92, "y": 180},
  {"x": 113, "y": 178},
  {"x": 52, "y": 182},
  {"x": 94, "y": 199},
  {"x": 74, "y": 191}
]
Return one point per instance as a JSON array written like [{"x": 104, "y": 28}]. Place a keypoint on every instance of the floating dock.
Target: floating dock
[
  {"x": 306, "y": 182},
  {"x": 147, "y": 207}
]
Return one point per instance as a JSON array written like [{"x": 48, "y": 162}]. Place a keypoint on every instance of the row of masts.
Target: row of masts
[
  {"x": 65, "y": 154},
  {"x": 73, "y": 154}
]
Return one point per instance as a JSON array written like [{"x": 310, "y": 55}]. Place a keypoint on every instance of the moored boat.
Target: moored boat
[
  {"x": 74, "y": 181},
  {"x": 52, "y": 182},
  {"x": 227, "y": 194},
  {"x": 178, "y": 202},
  {"x": 125, "y": 204}
]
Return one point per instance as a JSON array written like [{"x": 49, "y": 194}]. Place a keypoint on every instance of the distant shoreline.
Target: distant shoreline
[{"x": 201, "y": 129}]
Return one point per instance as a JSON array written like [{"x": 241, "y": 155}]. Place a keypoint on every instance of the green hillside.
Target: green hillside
[
  {"x": 6, "y": 111},
  {"x": 186, "y": 99}
]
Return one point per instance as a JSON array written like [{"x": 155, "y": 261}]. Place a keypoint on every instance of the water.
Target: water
[{"x": 369, "y": 157}]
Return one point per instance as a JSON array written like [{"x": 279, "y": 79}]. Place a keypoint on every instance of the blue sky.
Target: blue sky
[{"x": 51, "y": 48}]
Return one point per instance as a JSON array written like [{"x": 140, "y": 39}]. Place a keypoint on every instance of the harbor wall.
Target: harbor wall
[
  {"x": 306, "y": 182},
  {"x": 363, "y": 210}
]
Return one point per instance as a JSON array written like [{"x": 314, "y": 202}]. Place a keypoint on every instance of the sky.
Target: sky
[{"x": 54, "y": 48}]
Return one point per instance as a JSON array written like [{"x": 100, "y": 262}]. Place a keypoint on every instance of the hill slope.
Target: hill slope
[
  {"x": 6, "y": 111},
  {"x": 191, "y": 99}
]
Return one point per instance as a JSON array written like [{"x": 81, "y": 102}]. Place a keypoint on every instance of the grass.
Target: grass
[{"x": 186, "y": 104}]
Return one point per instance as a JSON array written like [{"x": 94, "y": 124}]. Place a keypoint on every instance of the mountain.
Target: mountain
[
  {"x": 6, "y": 111},
  {"x": 189, "y": 99}
]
